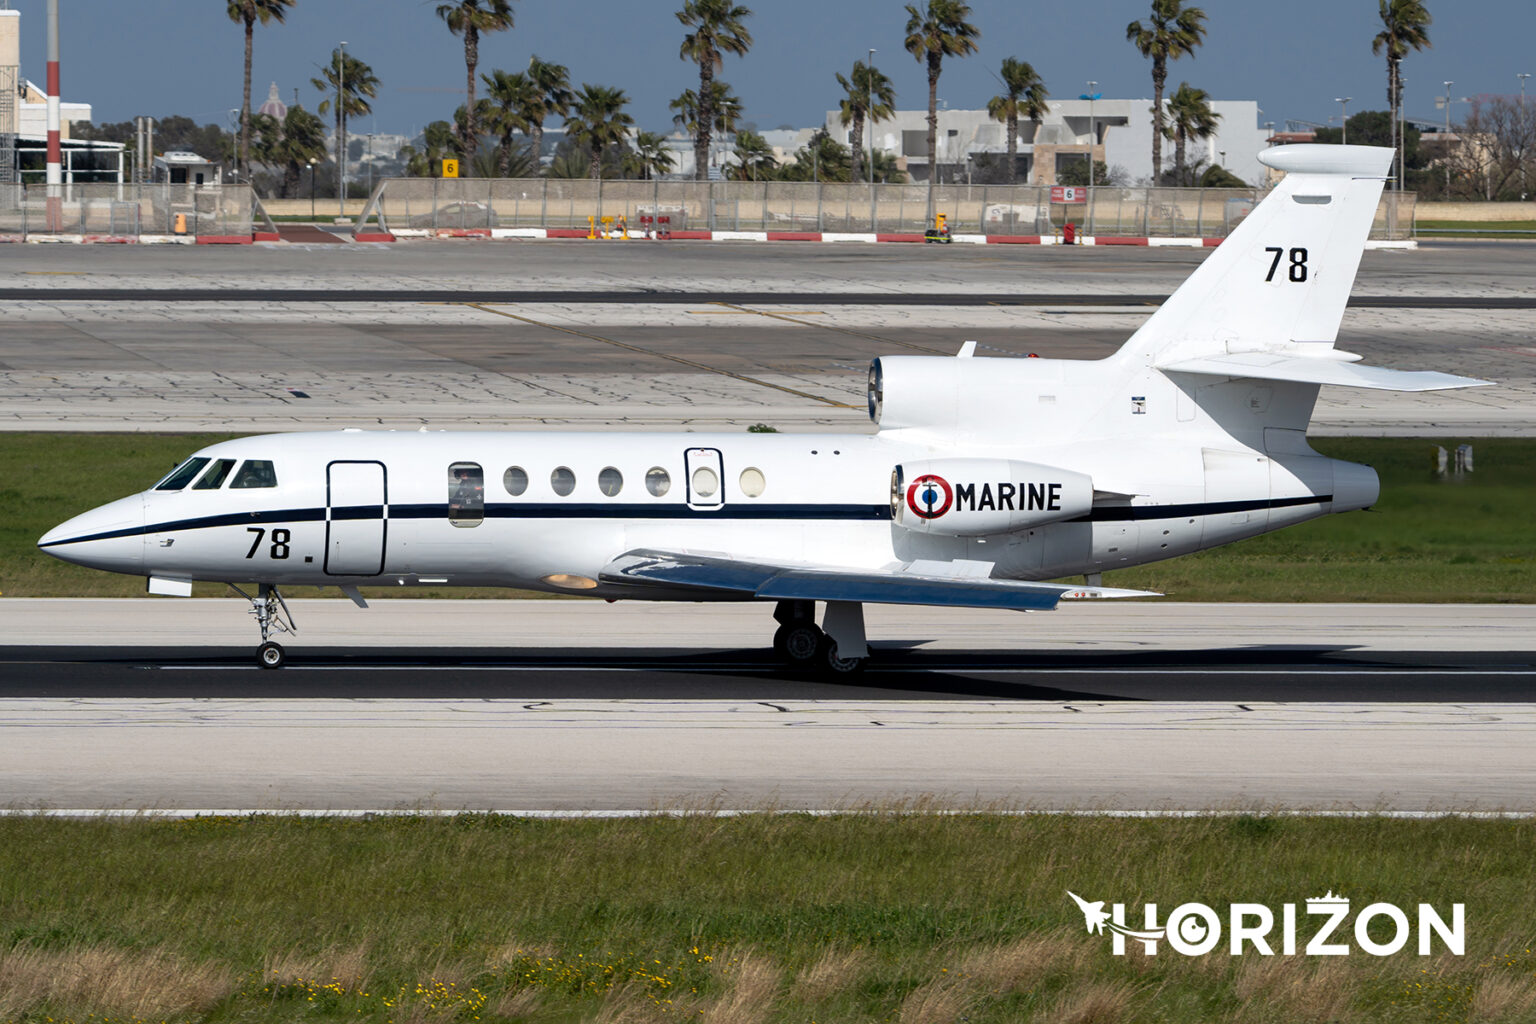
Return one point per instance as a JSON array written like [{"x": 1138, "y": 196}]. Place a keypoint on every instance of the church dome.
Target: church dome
[{"x": 274, "y": 107}]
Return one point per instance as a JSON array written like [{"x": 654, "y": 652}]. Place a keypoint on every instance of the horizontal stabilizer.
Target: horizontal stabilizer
[
  {"x": 1314, "y": 370},
  {"x": 723, "y": 575}
]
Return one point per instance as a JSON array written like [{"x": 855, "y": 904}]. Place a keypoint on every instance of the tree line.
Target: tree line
[{"x": 498, "y": 132}]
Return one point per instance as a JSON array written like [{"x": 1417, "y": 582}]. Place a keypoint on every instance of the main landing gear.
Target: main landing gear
[
  {"x": 272, "y": 616},
  {"x": 833, "y": 650}
]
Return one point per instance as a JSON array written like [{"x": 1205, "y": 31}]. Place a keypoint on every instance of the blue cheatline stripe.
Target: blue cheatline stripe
[
  {"x": 736, "y": 512},
  {"x": 1140, "y": 513}
]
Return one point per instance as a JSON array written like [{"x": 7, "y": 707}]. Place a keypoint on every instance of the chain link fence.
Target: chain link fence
[
  {"x": 126, "y": 210},
  {"x": 476, "y": 204}
]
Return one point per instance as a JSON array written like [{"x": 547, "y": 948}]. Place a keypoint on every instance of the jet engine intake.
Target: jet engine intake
[{"x": 977, "y": 497}]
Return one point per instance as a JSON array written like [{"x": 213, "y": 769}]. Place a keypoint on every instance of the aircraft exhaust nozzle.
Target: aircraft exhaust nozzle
[{"x": 1354, "y": 486}]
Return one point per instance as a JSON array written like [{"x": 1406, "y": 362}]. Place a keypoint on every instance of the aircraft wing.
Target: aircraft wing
[
  {"x": 903, "y": 583},
  {"x": 1313, "y": 370}
]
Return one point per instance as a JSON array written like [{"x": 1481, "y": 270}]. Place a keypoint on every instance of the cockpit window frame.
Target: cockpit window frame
[
  {"x": 248, "y": 467},
  {"x": 178, "y": 478},
  {"x": 215, "y": 475}
]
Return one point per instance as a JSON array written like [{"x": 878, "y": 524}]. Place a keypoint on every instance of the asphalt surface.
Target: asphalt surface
[{"x": 1279, "y": 673}]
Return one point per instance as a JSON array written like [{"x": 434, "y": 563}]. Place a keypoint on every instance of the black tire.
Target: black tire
[
  {"x": 271, "y": 655},
  {"x": 797, "y": 642},
  {"x": 830, "y": 666}
]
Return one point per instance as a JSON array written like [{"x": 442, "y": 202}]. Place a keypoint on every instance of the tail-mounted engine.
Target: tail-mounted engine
[{"x": 976, "y": 497}]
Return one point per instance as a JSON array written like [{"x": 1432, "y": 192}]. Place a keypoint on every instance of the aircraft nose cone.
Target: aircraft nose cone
[{"x": 110, "y": 537}]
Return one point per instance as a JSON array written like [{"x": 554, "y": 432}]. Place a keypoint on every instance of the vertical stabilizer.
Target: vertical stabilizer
[{"x": 1284, "y": 276}]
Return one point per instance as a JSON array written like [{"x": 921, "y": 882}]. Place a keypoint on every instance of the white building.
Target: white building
[{"x": 1120, "y": 132}]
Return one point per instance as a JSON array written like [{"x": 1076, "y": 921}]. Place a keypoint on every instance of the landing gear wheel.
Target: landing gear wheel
[
  {"x": 796, "y": 642},
  {"x": 829, "y": 665},
  {"x": 271, "y": 655}
]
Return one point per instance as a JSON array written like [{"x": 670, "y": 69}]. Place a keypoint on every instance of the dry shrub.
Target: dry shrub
[
  {"x": 345, "y": 967},
  {"x": 1099, "y": 1002},
  {"x": 1299, "y": 990},
  {"x": 1502, "y": 999},
  {"x": 130, "y": 983},
  {"x": 1019, "y": 966},
  {"x": 938, "y": 1002},
  {"x": 751, "y": 982},
  {"x": 833, "y": 972}
]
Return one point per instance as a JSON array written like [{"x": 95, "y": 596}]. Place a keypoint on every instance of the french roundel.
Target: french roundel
[{"x": 929, "y": 496}]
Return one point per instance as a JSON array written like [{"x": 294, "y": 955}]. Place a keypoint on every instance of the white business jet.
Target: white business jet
[{"x": 986, "y": 476}]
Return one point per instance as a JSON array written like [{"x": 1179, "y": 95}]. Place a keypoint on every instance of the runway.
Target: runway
[{"x": 1136, "y": 707}]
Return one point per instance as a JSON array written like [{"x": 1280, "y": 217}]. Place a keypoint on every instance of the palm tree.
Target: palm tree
[
  {"x": 651, "y": 156},
  {"x": 1190, "y": 115},
  {"x": 437, "y": 141},
  {"x": 1406, "y": 28},
  {"x": 935, "y": 33},
  {"x": 508, "y": 99},
  {"x": 870, "y": 95},
  {"x": 250, "y": 12},
  {"x": 717, "y": 30},
  {"x": 724, "y": 106},
  {"x": 597, "y": 121},
  {"x": 552, "y": 95},
  {"x": 303, "y": 140},
  {"x": 1173, "y": 31},
  {"x": 1026, "y": 95},
  {"x": 357, "y": 84},
  {"x": 469, "y": 18},
  {"x": 754, "y": 157}
]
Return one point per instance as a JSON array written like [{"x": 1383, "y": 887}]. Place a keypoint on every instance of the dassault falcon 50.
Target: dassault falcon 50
[{"x": 986, "y": 476}]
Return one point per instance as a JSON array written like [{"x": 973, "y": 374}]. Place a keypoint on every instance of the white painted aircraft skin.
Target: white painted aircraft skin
[{"x": 985, "y": 474}]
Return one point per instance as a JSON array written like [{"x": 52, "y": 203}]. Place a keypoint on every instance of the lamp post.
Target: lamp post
[
  {"x": 1343, "y": 102},
  {"x": 341, "y": 131},
  {"x": 311, "y": 189},
  {"x": 1522, "y": 78},
  {"x": 869, "y": 118},
  {"x": 1444, "y": 146},
  {"x": 1092, "y": 138}
]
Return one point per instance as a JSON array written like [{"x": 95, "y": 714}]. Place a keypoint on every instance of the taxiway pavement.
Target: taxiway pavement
[{"x": 484, "y": 705}]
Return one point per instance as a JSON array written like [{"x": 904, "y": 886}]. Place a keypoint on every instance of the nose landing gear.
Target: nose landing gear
[{"x": 272, "y": 616}]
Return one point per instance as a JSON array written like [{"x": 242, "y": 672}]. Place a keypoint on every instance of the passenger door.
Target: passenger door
[{"x": 356, "y": 518}]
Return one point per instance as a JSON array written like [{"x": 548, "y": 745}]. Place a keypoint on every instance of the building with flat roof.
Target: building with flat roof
[{"x": 1118, "y": 132}]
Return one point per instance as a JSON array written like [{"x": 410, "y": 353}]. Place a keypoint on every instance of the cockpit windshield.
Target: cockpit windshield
[
  {"x": 182, "y": 474},
  {"x": 256, "y": 473},
  {"x": 214, "y": 478}
]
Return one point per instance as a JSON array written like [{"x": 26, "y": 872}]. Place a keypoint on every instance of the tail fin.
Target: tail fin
[{"x": 1284, "y": 276}]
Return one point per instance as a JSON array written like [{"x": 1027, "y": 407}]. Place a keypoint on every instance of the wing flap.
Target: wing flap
[
  {"x": 722, "y": 575},
  {"x": 1313, "y": 370}
]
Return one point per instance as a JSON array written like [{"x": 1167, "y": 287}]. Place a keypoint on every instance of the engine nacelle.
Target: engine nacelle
[{"x": 976, "y": 497}]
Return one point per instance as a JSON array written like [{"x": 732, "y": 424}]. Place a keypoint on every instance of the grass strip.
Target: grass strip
[
  {"x": 1518, "y": 229},
  {"x": 882, "y": 916},
  {"x": 1429, "y": 538}
]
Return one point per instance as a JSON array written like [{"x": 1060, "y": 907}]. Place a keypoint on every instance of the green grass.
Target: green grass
[
  {"x": 1476, "y": 228},
  {"x": 1429, "y": 539},
  {"x": 755, "y": 919}
]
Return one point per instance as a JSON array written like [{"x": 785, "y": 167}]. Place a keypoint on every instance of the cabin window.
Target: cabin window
[
  {"x": 256, "y": 473},
  {"x": 752, "y": 482},
  {"x": 182, "y": 475},
  {"x": 562, "y": 480},
  {"x": 466, "y": 494},
  {"x": 515, "y": 480},
  {"x": 657, "y": 481},
  {"x": 610, "y": 481},
  {"x": 214, "y": 478},
  {"x": 705, "y": 482}
]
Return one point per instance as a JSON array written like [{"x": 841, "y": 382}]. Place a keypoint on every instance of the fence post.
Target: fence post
[
  {"x": 1200, "y": 214},
  {"x": 819, "y": 216},
  {"x": 490, "y": 199}
]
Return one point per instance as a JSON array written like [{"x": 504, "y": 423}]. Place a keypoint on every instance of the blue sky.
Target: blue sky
[{"x": 161, "y": 57}]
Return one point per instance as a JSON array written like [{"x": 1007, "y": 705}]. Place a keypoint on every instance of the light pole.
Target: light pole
[
  {"x": 1091, "y": 137},
  {"x": 1343, "y": 102},
  {"x": 311, "y": 189},
  {"x": 1445, "y": 145},
  {"x": 1522, "y": 78},
  {"x": 341, "y": 130},
  {"x": 869, "y": 118}
]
